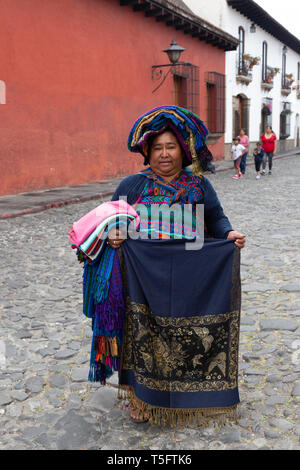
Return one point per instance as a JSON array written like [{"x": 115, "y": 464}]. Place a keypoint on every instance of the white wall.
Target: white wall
[
  {"x": 213, "y": 11},
  {"x": 221, "y": 15},
  {"x": 253, "y": 46}
]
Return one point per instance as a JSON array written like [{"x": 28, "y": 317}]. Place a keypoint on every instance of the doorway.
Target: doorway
[{"x": 241, "y": 107}]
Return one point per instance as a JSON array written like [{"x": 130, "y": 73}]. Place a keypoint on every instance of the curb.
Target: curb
[
  {"x": 51, "y": 205},
  {"x": 77, "y": 200}
]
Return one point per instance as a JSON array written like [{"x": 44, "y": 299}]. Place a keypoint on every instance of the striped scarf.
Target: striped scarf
[
  {"x": 191, "y": 133},
  {"x": 103, "y": 301}
]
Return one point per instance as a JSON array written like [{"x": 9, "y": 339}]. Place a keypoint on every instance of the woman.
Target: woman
[
  {"x": 174, "y": 358},
  {"x": 244, "y": 140},
  {"x": 269, "y": 145}
]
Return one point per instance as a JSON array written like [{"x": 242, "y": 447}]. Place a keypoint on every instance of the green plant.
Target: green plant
[
  {"x": 252, "y": 60},
  {"x": 289, "y": 79},
  {"x": 271, "y": 73}
]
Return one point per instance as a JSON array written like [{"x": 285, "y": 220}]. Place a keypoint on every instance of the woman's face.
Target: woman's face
[
  {"x": 242, "y": 133},
  {"x": 268, "y": 130},
  {"x": 166, "y": 155}
]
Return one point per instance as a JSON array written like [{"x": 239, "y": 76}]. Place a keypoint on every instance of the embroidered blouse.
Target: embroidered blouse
[{"x": 148, "y": 188}]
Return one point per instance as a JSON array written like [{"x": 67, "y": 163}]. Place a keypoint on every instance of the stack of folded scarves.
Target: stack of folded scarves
[
  {"x": 94, "y": 243},
  {"x": 103, "y": 296},
  {"x": 88, "y": 234}
]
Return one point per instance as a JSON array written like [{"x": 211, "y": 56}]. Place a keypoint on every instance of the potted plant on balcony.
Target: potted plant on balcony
[
  {"x": 289, "y": 79},
  {"x": 251, "y": 60},
  {"x": 271, "y": 73},
  {"x": 285, "y": 112},
  {"x": 297, "y": 88}
]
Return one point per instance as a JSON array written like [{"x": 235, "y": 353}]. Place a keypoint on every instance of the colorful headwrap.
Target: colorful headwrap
[{"x": 191, "y": 133}]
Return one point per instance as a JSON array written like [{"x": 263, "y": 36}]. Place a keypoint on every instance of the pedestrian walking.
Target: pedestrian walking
[
  {"x": 269, "y": 145},
  {"x": 244, "y": 140},
  {"x": 179, "y": 344},
  {"x": 237, "y": 152},
  {"x": 258, "y": 154}
]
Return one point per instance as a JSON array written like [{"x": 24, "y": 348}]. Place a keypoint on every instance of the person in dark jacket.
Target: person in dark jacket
[{"x": 258, "y": 154}]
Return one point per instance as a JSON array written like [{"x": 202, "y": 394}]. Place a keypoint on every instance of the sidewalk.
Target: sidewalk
[{"x": 29, "y": 203}]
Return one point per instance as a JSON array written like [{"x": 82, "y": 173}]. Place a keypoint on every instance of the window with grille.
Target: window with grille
[
  {"x": 264, "y": 61},
  {"x": 186, "y": 86},
  {"x": 180, "y": 91},
  {"x": 215, "y": 88},
  {"x": 285, "y": 120},
  {"x": 241, "y": 49},
  {"x": 283, "y": 75},
  {"x": 266, "y": 114}
]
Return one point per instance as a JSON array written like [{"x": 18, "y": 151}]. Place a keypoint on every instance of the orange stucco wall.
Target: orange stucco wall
[{"x": 77, "y": 75}]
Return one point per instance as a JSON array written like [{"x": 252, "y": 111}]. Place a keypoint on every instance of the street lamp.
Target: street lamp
[
  {"x": 284, "y": 50},
  {"x": 174, "y": 52}
]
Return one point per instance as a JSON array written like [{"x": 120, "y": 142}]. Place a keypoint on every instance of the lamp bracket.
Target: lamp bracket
[{"x": 157, "y": 72}]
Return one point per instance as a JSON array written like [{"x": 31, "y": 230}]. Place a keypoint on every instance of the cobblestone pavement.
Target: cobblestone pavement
[{"x": 45, "y": 399}]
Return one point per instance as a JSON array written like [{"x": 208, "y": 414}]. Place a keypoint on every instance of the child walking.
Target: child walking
[
  {"x": 237, "y": 151},
  {"x": 258, "y": 154}
]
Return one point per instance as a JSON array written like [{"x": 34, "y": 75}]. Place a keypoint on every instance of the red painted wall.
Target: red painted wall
[{"x": 77, "y": 75}]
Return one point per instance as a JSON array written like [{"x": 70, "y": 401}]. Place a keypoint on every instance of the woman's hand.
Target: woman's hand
[
  {"x": 116, "y": 238},
  {"x": 240, "y": 238}
]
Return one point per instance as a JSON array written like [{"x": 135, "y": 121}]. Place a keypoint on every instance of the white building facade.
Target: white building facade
[{"x": 262, "y": 75}]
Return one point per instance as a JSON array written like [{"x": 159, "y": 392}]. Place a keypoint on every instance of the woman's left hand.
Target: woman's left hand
[{"x": 240, "y": 238}]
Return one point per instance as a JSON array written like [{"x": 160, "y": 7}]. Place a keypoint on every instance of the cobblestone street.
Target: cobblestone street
[{"x": 45, "y": 399}]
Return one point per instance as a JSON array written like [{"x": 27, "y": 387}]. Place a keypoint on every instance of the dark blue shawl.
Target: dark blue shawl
[{"x": 181, "y": 332}]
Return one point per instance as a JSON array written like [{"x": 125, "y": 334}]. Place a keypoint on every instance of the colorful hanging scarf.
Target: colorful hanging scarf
[
  {"x": 103, "y": 301},
  {"x": 191, "y": 133}
]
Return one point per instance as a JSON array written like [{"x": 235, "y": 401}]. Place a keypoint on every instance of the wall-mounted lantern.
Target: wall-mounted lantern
[
  {"x": 253, "y": 28},
  {"x": 174, "y": 52}
]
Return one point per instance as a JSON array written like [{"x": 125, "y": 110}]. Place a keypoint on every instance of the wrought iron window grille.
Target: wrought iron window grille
[
  {"x": 215, "y": 86},
  {"x": 186, "y": 86},
  {"x": 285, "y": 120}
]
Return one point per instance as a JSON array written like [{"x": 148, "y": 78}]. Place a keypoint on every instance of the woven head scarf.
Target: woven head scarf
[{"x": 188, "y": 128}]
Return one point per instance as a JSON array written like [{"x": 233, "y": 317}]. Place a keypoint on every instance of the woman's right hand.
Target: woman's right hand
[{"x": 115, "y": 238}]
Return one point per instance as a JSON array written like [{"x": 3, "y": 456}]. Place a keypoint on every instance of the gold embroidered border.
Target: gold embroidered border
[{"x": 135, "y": 309}]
